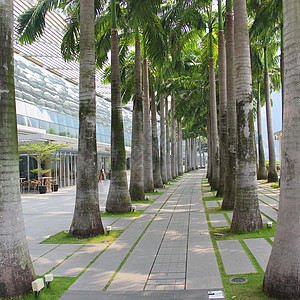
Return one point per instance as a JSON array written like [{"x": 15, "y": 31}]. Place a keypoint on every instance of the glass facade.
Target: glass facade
[{"x": 47, "y": 101}]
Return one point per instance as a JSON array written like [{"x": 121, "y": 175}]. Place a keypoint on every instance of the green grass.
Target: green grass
[
  {"x": 209, "y": 198},
  {"x": 136, "y": 213},
  {"x": 262, "y": 233},
  {"x": 58, "y": 286},
  {"x": 66, "y": 238},
  {"x": 275, "y": 186},
  {"x": 145, "y": 201}
]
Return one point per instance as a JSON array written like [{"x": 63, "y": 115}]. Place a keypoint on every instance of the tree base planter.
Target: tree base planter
[
  {"x": 42, "y": 189},
  {"x": 54, "y": 187}
]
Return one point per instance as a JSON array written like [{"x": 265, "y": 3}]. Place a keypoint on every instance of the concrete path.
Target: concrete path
[{"x": 166, "y": 253}]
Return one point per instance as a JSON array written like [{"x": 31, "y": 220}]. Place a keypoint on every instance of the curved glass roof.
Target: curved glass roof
[{"x": 46, "y": 50}]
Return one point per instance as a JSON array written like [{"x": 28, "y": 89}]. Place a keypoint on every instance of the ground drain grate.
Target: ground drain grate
[{"x": 238, "y": 280}]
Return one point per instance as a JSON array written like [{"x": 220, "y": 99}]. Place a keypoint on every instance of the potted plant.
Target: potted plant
[{"x": 43, "y": 153}]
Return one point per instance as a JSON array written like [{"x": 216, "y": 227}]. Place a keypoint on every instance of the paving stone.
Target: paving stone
[
  {"x": 122, "y": 223},
  {"x": 99, "y": 273},
  {"x": 135, "y": 271},
  {"x": 208, "y": 195},
  {"x": 212, "y": 204},
  {"x": 272, "y": 238},
  {"x": 202, "y": 266},
  {"x": 39, "y": 250},
  {"x": 73, "y": 266},
  {"x": 235, "y": 259},
  {"x": 268, "y": 210},
  {"x": 44, "y": 264},
  {"x": 206, "y": 188},
  {"x": 271, "y": 202},
  {"x": 261, "y": 250},
  {"x": 218, "y": 220}
]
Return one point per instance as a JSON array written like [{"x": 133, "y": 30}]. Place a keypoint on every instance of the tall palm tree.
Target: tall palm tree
[
  {"x": 222, "y": 101},
  {"x": 148, "y": 167},
  {"x": 213, "y": 115},
  {"x": 155, "y": 150},
  {"x": 180, "y": 159},
  {"x": 16, "y": 272},
  {"x": 282, "y": 274},
  {"x": 136, "y": 188},
  {"x": 230, "y": 177},
  {"x": 272, "y": 173},
  {"x": 118, "y": 199},
  {"x": 168, "y": 156},
  {"x": 173, "y": 138},
  {"x": 163, "y": 163},
  {"x": 246, "y": 216},
  {"x": 262, "y": 170},
  {"x": 86, "y": 218}
]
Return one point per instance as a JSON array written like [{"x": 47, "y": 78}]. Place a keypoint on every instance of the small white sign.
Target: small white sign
[{"x": 216, "y": 295}]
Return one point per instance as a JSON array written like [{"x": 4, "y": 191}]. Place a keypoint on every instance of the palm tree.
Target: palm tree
[
  {"x": 180, "y": 159},
  {"x": 155, "y": 150},
  {"x": 230, "y": 177},
  {"x": 148, "y": 167},
  {"x": 246, "y": 216},
  {"x": 163, "y": 164},
  {"x": 16, "y": 272},
  {"x": 282, "y": 274},
  {"x": 86, "y": 218},
  {"x": 213, "y": 115},
  {"x": 272, "y": 173},
  {"x": 222, "y": 101},
  {"x": 262, "y": 170},
  {"x": 173, "y": 138},
  {"x": 136, "y": 188},
  {"x": 168, "y": 157},
  {"x": 118, "y": 199}
]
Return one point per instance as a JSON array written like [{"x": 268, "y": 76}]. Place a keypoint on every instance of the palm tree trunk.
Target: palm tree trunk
[
  {"x": 186, "y": 156},
  {"x": 148, "y": 168},
  {"x": 262, "y": 171},
  {"x": 246, "y": 216},
  {"x": 118, "y": 199},
  {"x": 272, "y": 174},
  {"x": 222, "y": 103},
  {"x": 163, "y": 164},
  {"x": 208, "y": 148},
  {"x": 180, "y": 167},
  {"x": 214, "y": 128},
  {"x": 16, "y": 272},
  {"x": 176, "y": 149},
  {"x": 136, "y": 188},
  {"x": 173, "y": 138},
  {"x": 155, "y": 150},
  {"x": 200, "y": 153},
  {"x": 282, "y": 274},
  {"x": 230, "y": 177},
  {"x": 168, "y": 156},
  {"x": 86, "y": 219}
]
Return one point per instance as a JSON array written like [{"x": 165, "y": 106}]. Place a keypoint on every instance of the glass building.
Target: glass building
[{"x": 47, "y": 109}]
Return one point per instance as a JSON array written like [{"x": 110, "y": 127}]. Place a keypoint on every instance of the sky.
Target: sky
[{"x": 277, "y": 122}]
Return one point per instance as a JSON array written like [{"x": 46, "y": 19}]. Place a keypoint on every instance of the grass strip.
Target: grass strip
[
  {"x": 58, "y": 286},
  {"x": 66, "y": 238},
  {"x": 136, "y": 213}
]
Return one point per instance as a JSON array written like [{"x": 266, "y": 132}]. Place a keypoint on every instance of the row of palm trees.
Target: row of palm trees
[{"x": 183, "y": 75}]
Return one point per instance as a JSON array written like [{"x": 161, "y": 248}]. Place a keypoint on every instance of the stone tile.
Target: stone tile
[
  {"x": 73, "y": 266},
  {"x": 208, "y": 195},
  {"x": 235, "y": 259},
  {"x": 122, "y": 223},
  {"x": 218, "y": 220},
  {"x": 39, "y": 250},
  {"x": 212, "y": 204},
  {"x": 261, "y": 250},
  {"x": 44, "y": 264}
]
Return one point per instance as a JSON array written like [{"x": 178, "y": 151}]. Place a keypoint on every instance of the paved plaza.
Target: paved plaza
[{"x": 166, "y": 253}]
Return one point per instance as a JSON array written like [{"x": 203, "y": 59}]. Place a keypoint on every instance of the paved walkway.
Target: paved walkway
[{"x": 166, "y": 253}]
